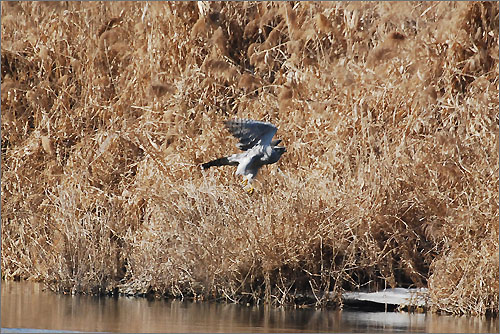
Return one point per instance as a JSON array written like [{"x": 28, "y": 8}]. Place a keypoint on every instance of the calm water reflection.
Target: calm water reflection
[{"x": 27, "y": 305}]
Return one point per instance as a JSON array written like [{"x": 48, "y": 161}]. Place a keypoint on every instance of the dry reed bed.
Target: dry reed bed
[{"x": 389, "y": 112}]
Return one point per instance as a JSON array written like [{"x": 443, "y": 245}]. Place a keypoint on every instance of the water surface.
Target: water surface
[{"x": 28, "y": 306}]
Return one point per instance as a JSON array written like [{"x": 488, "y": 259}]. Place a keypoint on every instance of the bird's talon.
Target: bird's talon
[{"x": 249, "y": 189}]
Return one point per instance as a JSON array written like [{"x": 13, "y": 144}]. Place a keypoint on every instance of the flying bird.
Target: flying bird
[{"x": 255, "y": 140}]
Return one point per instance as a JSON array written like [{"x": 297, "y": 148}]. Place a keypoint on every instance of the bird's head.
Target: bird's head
[
  {"x": 281, "y": 150},
  {"x": 277, "y": 152}
]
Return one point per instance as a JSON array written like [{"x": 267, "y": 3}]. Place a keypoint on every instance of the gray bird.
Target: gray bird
[{"x": 255, "y": 139}]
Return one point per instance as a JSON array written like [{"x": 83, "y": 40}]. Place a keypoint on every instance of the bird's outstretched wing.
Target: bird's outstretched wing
[{"x": 251, "y": 133}]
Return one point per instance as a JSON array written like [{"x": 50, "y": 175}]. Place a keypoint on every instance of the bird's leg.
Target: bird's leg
[{"x": 247, "y": 186}]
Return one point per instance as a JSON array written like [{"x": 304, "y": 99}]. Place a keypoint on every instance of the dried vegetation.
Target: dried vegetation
[{"x": 389, "y": 112}]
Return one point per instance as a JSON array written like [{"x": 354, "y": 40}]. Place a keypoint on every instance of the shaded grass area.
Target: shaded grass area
[{"x": 389, "y": 112}]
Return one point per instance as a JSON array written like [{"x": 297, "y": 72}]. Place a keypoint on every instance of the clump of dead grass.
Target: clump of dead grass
[{"x": 389, "y": 112}]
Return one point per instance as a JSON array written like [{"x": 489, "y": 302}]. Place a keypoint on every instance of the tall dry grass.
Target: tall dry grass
[{"x": 389, "y": 112}]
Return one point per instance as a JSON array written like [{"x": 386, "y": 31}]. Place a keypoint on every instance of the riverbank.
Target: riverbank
[
  {"x": 140, "y": 315},
  {"x": 389, "y": 112}
]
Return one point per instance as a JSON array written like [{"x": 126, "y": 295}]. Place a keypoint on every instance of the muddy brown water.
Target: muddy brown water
[{"x": 28, "y": 307}]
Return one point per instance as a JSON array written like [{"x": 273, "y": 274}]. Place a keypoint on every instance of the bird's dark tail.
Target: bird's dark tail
[{"x": 219, "y": 162}]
